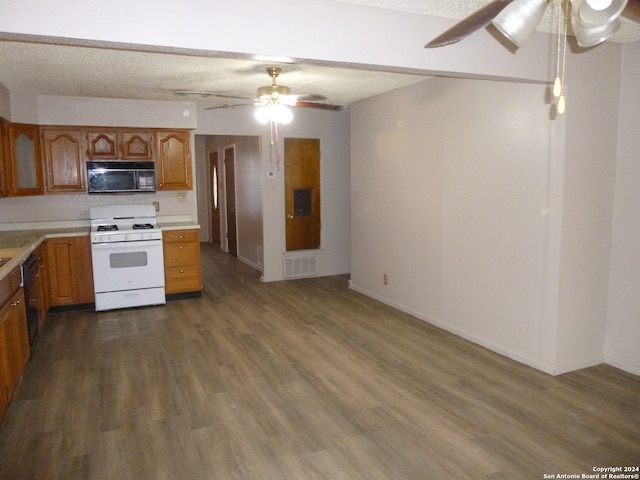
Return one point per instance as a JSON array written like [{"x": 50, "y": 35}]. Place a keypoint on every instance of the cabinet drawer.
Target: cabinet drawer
[
  {"x": 182, "y": 279},
  {"x": 181, "y": 254},
  {"x": 181, "y": 236}
]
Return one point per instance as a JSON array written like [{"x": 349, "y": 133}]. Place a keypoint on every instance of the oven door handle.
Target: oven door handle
[{"x": 127, "y": 245}]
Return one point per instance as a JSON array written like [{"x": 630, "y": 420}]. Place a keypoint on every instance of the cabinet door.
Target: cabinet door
[
  {"x": 64, "y": 160},
  {"x": 173, "y": 160},
  {"x": 25, "y": 163},
  {"x": 14, "y": 341},
  {"x": 70, "y": 271},
  {"x": 102, "y": 145},
  {"x": 136, "y": 145}
]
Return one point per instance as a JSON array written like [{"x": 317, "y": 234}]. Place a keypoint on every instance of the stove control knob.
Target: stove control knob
[{"x": 127, "y": 237}]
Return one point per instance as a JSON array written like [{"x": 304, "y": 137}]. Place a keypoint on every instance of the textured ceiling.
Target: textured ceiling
[
  {"x": 628, "y": 32},
  {"x": 98, "y": 72},
  {"x": 104, "y": 72}
]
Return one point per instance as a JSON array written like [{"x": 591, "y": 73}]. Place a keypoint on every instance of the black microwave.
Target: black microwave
[{"x": 121, "y": 177}]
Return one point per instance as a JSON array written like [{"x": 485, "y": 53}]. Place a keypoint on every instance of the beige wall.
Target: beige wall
[
  {"x": 492, "y": 217},
  {"x": 332, "y": 128},
  {"x": 623, "y": 320}
]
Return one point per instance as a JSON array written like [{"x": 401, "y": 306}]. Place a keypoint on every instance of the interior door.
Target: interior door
[
  {"x": 214, "y": 179},
  {"x": 302, "y": 193},
  {"x": 230, "y": 189}
]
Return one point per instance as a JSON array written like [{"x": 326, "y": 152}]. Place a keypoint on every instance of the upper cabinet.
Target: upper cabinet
[
  {"x": 24, "y": 163},
  {"x": 173, "y": 159},
  {"x": 136, "y": 144},
  {"x": 36, "y": 160},
  {"x": 64, "y": 160},
  {"x": 119, "y": 144},
  {"x": 102, "y": 145}
]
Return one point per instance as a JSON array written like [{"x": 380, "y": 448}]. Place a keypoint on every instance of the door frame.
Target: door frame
[
  {"x": 215, "y": 227},
  {"x": 226, "y": 196}
]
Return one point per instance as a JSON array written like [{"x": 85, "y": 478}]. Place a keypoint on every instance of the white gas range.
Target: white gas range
[{"x": 126, "y": 249}]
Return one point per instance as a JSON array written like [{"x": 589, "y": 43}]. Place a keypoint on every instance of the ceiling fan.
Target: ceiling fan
[
  {"x": 592, "y": 21},
  {"x": 275, "y": 95}
]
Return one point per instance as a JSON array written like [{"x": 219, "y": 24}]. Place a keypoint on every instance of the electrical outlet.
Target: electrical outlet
[
  {"x": 156, "y": 205},
  {"x": 385, "y": 279}
]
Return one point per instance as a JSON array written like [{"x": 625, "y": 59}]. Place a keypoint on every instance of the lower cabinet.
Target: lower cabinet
[
  {"x": 14, "y": 339},
  {"x": 182, "y": 272},
  {"x": 69, "y": 270}
]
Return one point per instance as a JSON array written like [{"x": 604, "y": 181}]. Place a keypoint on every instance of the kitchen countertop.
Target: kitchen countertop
[{"x": 19, "y": 244}]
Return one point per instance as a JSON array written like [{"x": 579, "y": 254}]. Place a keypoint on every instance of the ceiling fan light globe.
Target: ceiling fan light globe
[
  {"x": 262, "y": 114},
  {"x": 282, "y": 114},
  {"x": 599, "y": 4},
  {"x": 590, "y": 36},
  {"x": 518, "y": 20},
  {"x": 590, "y": 16}
]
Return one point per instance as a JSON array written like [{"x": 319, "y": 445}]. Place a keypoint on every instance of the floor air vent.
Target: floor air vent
[{"x": 300, "y": 266}]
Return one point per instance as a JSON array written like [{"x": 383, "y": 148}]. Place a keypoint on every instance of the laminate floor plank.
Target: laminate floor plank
[{"x": 299, "y": 380}]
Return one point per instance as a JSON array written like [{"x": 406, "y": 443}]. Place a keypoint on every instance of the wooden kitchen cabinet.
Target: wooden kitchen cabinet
[
  {"x": 120, "y": 144},
  {"x": 69, "y": 271},
  {"x": 102, "y": 145},
  {"x": 182, "y": 271},
  {"x": 14, "y": 339},
  {"x": 136, "y": 144},
  {"x": 173, "y": 159},
  {"x": 63, "y": 151},
  {"x": 24, "y": 161}
]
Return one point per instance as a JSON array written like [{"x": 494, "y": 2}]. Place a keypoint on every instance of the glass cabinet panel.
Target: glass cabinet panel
[{"x": 25, "y": 162}]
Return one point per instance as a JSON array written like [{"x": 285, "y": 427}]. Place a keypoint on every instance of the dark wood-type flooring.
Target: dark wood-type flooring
[{"x": 299, "y": 380}]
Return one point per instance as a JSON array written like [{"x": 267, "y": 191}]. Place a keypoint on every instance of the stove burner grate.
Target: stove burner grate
[
  {"x": 142, "y": 226},
  {"x": 107, "y": 228}
]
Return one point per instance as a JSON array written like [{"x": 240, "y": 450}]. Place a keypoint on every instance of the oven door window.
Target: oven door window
[{"x": 128, "y": 260}]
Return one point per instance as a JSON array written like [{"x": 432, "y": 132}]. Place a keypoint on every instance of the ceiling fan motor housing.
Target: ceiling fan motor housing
[{"x": 273, "y": 91}]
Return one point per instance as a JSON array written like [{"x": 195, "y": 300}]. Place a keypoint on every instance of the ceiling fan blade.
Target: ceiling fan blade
[
  {"x": 309, "y": 97},
  {"x": 229, "y": 106},
  {"x": 233, "y": 97},
  {"x": 320, "y": 106},
  {"x": 477, "y": 20},
  {"x": 632, "y": 10}
]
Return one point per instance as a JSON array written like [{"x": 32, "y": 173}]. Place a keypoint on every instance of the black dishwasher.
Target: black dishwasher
[{"x": 29, "y": 282}]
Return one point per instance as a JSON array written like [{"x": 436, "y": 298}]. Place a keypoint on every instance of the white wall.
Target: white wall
[
  {"x": 495, "y": 218},
  {"x": 623, "y": 318},
  {"x": 450, "y": 200},
  {"x": 593, "y": 93},
  {"x": 333, "y": 130}
]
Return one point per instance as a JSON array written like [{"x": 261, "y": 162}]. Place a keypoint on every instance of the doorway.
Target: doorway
[
  {"x": 214, "y": 182},
  {"x": 302, "y": 193}
]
